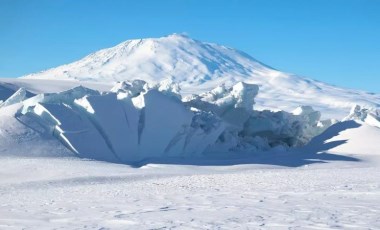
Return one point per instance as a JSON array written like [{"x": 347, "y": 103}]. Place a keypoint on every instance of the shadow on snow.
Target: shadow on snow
[{"x": 315, "y": 152}]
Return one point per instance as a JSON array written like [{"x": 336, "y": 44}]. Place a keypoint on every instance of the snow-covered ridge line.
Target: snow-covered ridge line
[{"x": 135, "y": 121}]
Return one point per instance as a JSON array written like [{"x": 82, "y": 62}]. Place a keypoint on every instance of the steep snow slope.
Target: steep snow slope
[{"x": 201, "y": 66}]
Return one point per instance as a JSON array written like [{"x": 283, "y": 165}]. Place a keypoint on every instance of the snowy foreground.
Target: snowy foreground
[{"x": 69, "y": 193}]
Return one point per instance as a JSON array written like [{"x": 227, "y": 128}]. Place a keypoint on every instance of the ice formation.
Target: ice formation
[
  {"x": 370, "y": 116},
  {"x": 5, "y": 92},
  {"x": 131, "y": 123},
  {"x": 18, "y": 96},
  {"x": 136, "y": 121}
]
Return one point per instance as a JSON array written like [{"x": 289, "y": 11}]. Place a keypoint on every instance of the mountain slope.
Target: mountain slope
[{"x": 200, "y": 66}]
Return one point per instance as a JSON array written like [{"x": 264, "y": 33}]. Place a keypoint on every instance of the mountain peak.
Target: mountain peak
[
  {"x": 175, "y": 37},
  {"x": 175, "y": 56},
  {"x": 200, "y": 66},
  {"x": 178, "y": 36}
]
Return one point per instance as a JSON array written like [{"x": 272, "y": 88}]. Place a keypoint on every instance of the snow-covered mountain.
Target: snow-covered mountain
[
  {"x": 200, "y": 66},
  {"x": 179, "y": 57}
]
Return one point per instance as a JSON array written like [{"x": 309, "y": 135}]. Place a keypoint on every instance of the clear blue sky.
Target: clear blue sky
[{"x": 336, "y": 41}]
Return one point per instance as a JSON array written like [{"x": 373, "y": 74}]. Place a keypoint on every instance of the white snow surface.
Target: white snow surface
[{"x": 200, "y": 66}]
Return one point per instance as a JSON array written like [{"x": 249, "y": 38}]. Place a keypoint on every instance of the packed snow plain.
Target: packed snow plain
[{"x": 206, "y": 157}]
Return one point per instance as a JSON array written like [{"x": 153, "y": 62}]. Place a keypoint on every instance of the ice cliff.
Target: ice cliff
[{"x": 136, "y": 121}]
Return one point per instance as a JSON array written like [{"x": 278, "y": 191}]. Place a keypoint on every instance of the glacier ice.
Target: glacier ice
[
  {"x": 234, "y": 104},
  {"x": 18, "y": 96},
  {"x": 108, "y": 127},
  {"x": 130, "y": 89},
  {"x": 371, "y": 115},
  {"x": 135, "y": 121},
  {"x": 257, "y": 130},
  {"x": 5, "y": 91}
]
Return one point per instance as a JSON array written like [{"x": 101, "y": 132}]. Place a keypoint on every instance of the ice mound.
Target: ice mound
[
  {"x": 370, "y": 116},
  {"x": 234, "y": 105},
  {"x": 169, "y": 87},
  {"x": 250, "y": 130},
  {"x": 136, "y": 121},
  {"x": 131, "y": 89},
  {"x": 285, "y": 129}
]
